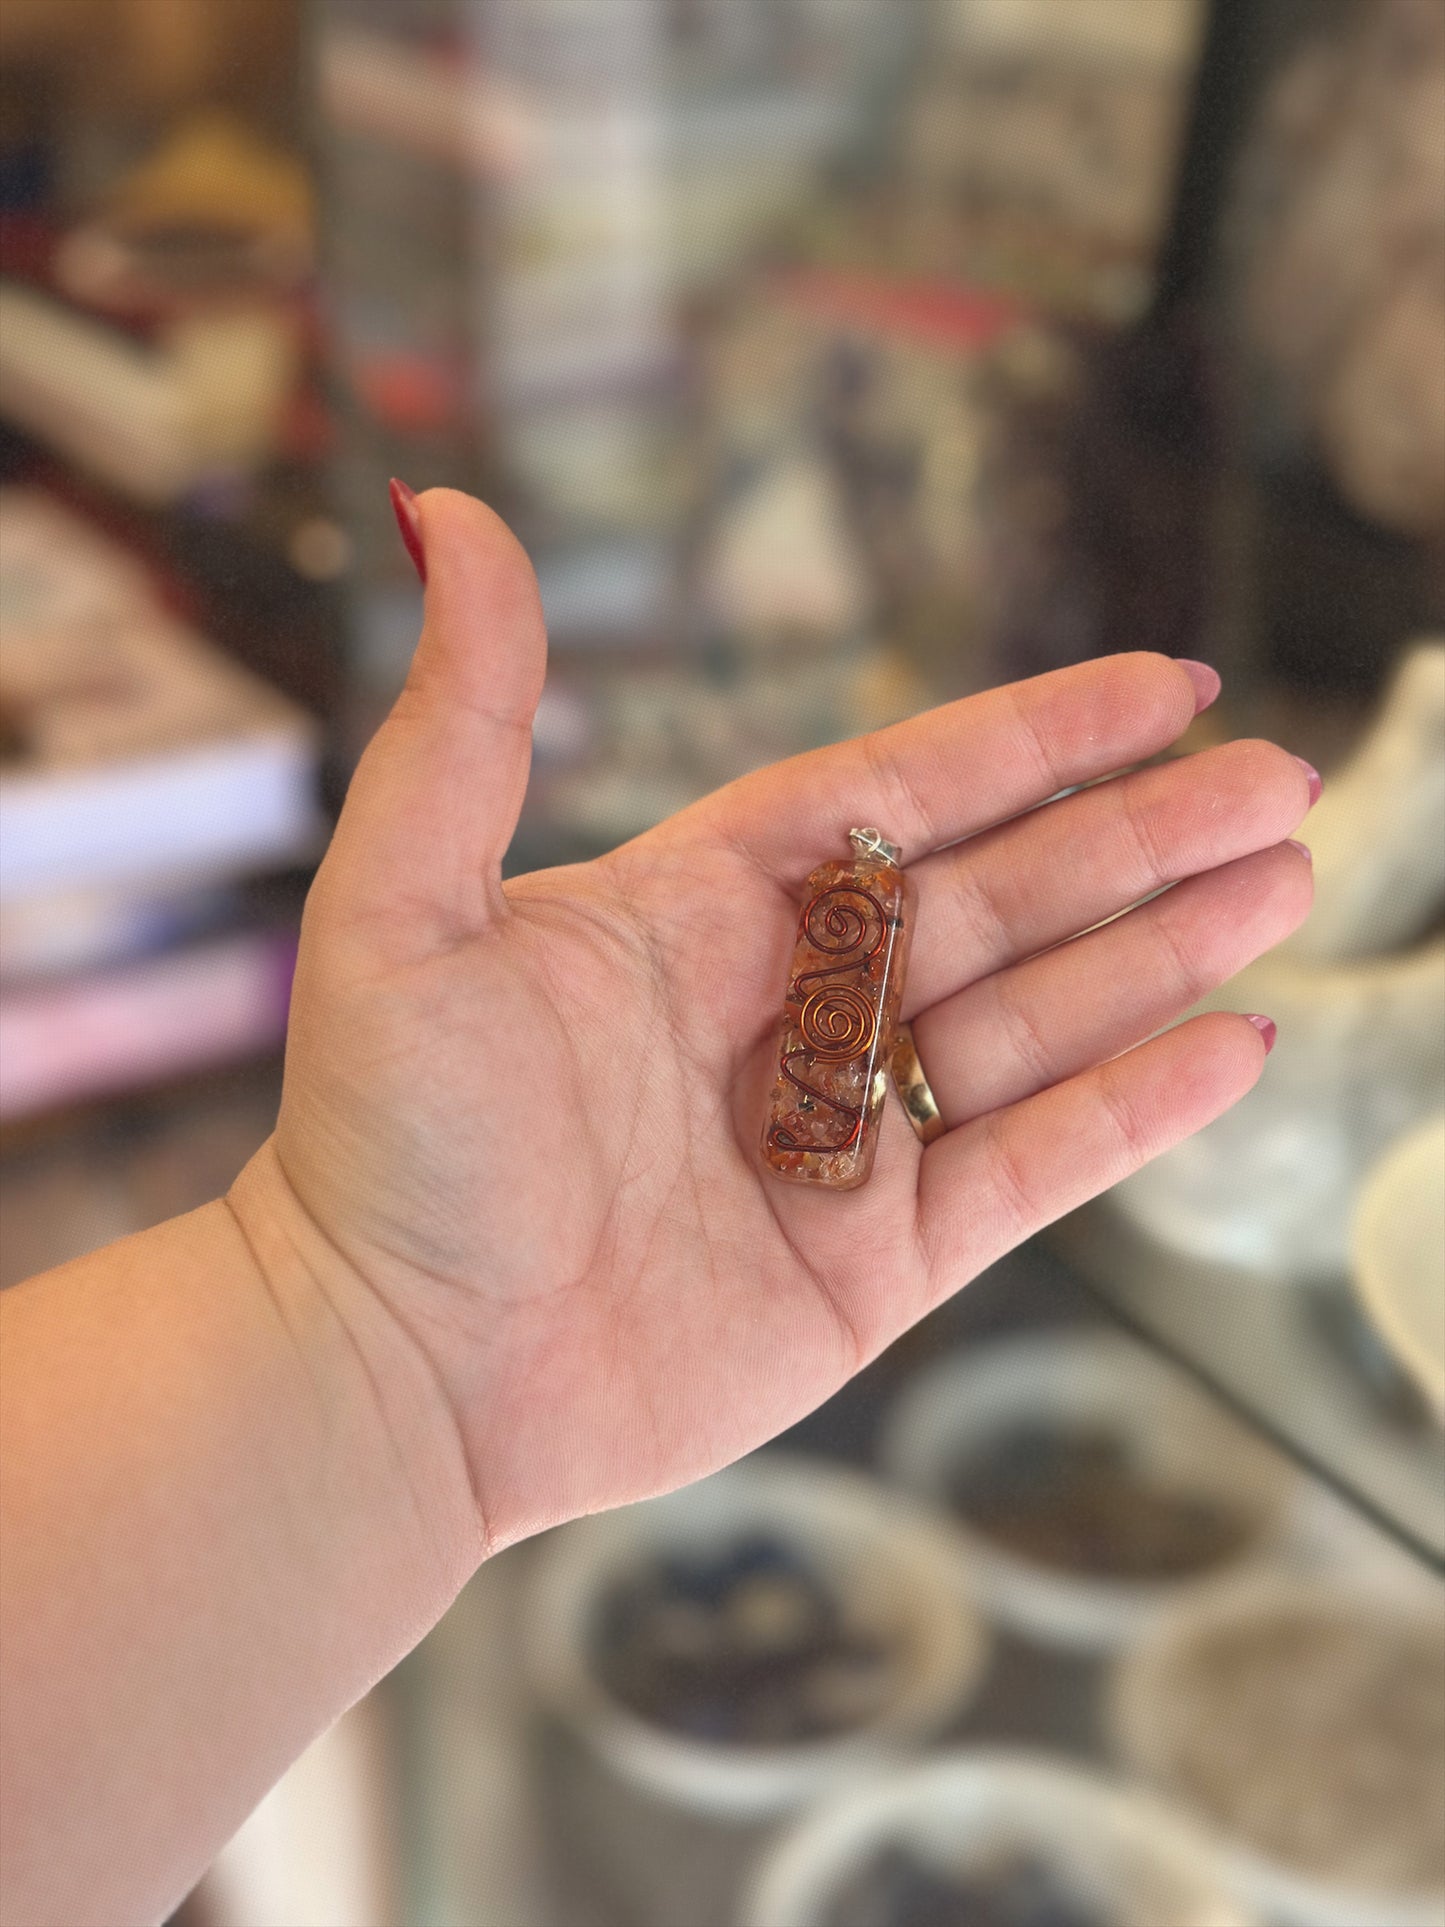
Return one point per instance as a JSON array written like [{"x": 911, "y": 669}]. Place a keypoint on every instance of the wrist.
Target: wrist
[
  {"x": 394, "y": 1433},
  {"x": 229, "y": 1507}
]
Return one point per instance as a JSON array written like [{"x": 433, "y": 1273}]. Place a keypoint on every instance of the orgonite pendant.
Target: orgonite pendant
[{"x": 844, "y": 992}]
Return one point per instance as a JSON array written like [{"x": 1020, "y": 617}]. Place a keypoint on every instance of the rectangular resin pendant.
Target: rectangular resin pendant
[{"x": 845, "y": 988}]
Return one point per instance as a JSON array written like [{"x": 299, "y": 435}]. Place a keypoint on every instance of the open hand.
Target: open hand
[{"x": 521, "y": 1120}]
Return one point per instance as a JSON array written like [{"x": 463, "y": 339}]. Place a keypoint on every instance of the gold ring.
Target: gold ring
[{"x": 913, "y": 1088}]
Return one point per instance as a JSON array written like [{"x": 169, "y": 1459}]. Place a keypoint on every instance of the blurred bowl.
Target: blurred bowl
[
  {"x": 1238, "y": 1707},
  {"x": 1126, "y": 1851},
  {"x": 1398, "y": 1246},
  {"x": 963, "y": 1410},
  {"x": 892, "y": 1567}
]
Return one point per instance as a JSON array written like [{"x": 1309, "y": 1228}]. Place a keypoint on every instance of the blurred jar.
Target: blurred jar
[
  {"x": 1304, "y": 1725},
  {"x": 718, "y": 1658}
]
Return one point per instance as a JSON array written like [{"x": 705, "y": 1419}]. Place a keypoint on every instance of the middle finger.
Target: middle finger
[
  {"x": 1044, "y": 1020},
  {"x": 1060, "y": 869}
]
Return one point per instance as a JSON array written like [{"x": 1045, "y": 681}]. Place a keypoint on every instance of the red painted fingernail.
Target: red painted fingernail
[
  {"x": 403, "y": 505},
  {"x": 1267, "y": 1028},
  {"x": 1206, "y": 681},
  {"x": 1304, "y": 849},
  {"x": 1312, "y": 776}
]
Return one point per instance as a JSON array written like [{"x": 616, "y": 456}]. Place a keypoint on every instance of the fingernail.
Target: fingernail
[
  {"x": 403, "y": 505},
  {"x": 1313, "y": 777},
  {"x": 1206, "y": 681},
  {"x": 1267, "y": 1028},
  {"x": 1304, "y": 849}
]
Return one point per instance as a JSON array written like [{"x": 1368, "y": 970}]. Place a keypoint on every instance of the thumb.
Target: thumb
[{"x": 435, "y": 799}]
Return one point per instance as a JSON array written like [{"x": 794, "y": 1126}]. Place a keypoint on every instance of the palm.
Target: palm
[{"x": 528, "y": 1117}]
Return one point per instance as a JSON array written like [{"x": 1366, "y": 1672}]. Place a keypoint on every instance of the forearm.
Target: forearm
[{"x": 232, "y": 1498}]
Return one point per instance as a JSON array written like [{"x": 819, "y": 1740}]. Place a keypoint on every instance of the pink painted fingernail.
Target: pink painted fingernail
[
  {"x": 403, "y": 506},
  {"x": 1206, "y": 681},
  {"x": 1267, "y": 1028},
  {"x": 1304, "y": 849},
  {"x": 1312, "y": 776}
]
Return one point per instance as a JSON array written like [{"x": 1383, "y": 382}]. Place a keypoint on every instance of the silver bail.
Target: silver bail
[{"x": 874, "y": 843}]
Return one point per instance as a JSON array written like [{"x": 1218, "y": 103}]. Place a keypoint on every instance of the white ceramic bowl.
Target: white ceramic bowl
[
  {"x": 1145, "y": 1703},
  {"x": 1128, "y": 1849},
  {"x": 1397, "y": 1242},
  {"x": 890, "y": 1561},
  {"x": 1094, "y": 1380}
]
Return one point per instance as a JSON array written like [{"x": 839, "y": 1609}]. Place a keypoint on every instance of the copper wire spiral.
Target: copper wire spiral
[
  {"x": 837, "y": 1020},
  {"x": 842, "y": 927}
]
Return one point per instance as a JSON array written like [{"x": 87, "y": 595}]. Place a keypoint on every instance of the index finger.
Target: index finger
[{"x": 951, "y": 771}]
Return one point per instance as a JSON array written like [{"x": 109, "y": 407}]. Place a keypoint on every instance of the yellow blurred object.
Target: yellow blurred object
[
  {"x": 213, "y": 171},
  {"x": 214, "y": 215}
]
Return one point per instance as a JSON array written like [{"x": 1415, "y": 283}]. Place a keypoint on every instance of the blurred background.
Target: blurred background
[{"x": 832, "y": 358}]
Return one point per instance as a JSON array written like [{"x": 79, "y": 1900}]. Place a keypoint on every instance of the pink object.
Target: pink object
[
  {"x": 1312, "y": 776},
  {"x": 1267, "y": 1028},
  {"x": 1206, "y": 681},
  {"x": 188, "y": 1010}
]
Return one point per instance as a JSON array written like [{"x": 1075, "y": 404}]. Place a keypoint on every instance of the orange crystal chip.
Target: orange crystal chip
[{"x": 839, "y": 1023}]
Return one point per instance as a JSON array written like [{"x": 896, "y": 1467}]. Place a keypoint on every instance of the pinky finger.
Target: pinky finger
[{"x": 990, "y": 1183}]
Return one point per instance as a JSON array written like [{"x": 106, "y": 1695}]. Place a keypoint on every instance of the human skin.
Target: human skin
[{"x": 511, "y": 1255}]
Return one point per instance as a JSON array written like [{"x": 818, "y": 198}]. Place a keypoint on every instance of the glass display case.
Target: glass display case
[{"x": 1313, "y": 1299}]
